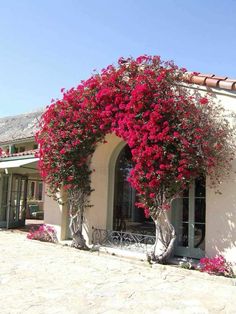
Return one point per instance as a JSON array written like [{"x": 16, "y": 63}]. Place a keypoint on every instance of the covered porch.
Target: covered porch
[{"x": 15, "y": 175}]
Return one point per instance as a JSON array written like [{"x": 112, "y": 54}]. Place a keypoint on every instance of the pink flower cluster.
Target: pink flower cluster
[
  {"x": 216, "y": 266},
  {"x": 43, "y": 233}
]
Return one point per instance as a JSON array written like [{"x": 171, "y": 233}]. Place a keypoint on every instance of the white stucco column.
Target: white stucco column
[{"x": 56, "y": 214}]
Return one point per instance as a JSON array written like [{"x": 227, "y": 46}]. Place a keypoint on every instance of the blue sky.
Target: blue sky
[{"x": 49, "y": 44}]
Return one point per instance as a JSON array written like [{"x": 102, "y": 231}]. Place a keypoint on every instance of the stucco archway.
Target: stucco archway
[
  {"x": 102, "y": 182},
  {"x": 127, "y": 217}
]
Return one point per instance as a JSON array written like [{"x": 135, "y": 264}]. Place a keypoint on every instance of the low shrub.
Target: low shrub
[
  {"x": 216, "y": 266},
  {"x": 43, "y": 233}
]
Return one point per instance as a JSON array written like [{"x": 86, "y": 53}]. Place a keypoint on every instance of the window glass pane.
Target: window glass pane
[
  {"x": 200, "y": 210},
  {"x": 186, "y": 193},
  {"x": 15, "y": 199},
  {"x": 40, "y": 191},
  {"x": 127, "y": 217},
  {"x": 200, "y": 187},
  {"x": 180, "y": 208},
  {"x": 199, "y": 236},
  {"x": 3, "y": 205},
  {"x": 22, "y": 200},
  {"x": 185, "y": 216},
  {"x": 32, "y": 189},
  {"x": 182, "y": 234}
]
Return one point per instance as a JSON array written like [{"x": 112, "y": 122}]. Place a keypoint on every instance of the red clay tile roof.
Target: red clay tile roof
[
  {"x": 25, "y": 153},
  {"x": 211, "y": 80}
]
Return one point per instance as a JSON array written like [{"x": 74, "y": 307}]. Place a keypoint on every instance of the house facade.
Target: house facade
[
  {"x": 205, "y": 222},
  {"x": 21, "y": 188}
]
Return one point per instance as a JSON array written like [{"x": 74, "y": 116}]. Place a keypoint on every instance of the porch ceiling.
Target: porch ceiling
[{"x": 20, "y": 163}]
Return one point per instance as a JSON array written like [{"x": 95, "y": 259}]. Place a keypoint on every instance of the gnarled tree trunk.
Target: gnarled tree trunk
[
  {"x": 165, "y": 238},
  {"x": 77, "y": 202},
  {"x": 76, "y": 225}
]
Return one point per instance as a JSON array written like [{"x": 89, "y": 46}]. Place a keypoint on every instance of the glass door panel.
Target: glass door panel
[
  {"x": 188, "y": 218},
  {"x": 18, "y": 201},
  {"x": 23, "y": 198},
  {"x": 199, "y": 214},
  {"x": 13, "y": 216},
  {"x": 13, "y": 196},
  {"x": 200, "y": 187},
  {"x": 182, "y": 216},
  {"x": 4, "y": 180}
]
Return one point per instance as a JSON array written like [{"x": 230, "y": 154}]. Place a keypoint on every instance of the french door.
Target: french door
[
  {"x": 4, "y": 182},
  {"x": 18, "y": 201},
  {"x": 188, "y": 218},
  {"x": 13, "y": 199}
]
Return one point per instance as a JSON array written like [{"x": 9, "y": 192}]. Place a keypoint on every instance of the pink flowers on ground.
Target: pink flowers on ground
[
  {"x": 43, "y": 233},
  {"x": 216, "y": 266}
]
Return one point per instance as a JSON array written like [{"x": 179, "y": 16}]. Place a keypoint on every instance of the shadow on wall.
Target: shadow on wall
[
  {"x": 221, "y": 221},
  {"x": 225, "y": 240}
]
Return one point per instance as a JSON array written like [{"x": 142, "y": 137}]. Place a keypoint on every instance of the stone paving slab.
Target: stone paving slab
[{"x": 38, "y": 278}]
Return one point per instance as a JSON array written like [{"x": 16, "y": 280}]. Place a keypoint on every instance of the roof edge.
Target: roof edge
[
  {"x": 18, "y": 140},
  {"x": 210, "y": 80}
]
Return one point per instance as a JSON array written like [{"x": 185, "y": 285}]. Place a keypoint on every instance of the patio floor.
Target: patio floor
[{"x": 40, "y": 278}]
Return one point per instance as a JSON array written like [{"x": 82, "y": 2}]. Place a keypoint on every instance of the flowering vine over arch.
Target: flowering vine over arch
[{"x": 174, "y": 136}]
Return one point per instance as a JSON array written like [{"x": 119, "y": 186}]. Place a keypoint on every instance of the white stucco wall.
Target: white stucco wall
[
  {"x": 56, "y": 215},
  {"x": 221, "y": 219},
  {"x": 221, "y": 208}
]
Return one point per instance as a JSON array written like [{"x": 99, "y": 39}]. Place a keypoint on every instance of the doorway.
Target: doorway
[
  {"x": 13, "y": 199},
  {"x": 188, "y": 218},
  {"x": 126, "y": 216}
]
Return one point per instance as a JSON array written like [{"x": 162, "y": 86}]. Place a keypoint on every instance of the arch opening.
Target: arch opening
[{"x": 126, "y": 216}]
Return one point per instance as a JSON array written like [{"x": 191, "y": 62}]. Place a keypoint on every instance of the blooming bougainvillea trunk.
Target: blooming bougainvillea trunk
[
  {"x": 165, "y": 237},
  {"x": 77, "y": 200},
  {"x": 76, "y": 225},
  {"x": 175, "y": 135},
  {"x": 165, "y": 231}
]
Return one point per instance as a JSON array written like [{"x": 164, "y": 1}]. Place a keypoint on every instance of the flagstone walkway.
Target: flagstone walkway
[{"x": 38, "y": 278}]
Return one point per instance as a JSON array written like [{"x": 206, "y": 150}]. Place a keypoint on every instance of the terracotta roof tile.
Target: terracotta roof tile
[
  {"x": 205, "y": 75},
  {"x": 198, "y": 80},
  {"x": 220, "y": 77},
  {"x": 226, "y": 84},
  {"x": 211, "y": 80}
]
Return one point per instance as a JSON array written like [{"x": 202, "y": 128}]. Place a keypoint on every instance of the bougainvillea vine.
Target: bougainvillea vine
[{"x": 174, "y": 135}]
